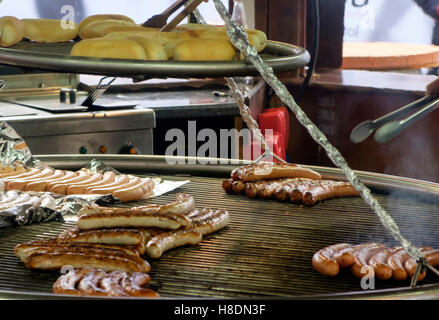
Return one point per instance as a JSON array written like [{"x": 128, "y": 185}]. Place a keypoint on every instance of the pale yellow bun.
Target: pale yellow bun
[
  {"x": 261, "y": 36},
  {"x": 109, "y": 48},
  {"x": 222, "y": 34},
  {"x": 95, "y": 29},
  {"x": 200, "y": 28},
  {"x": 170, "y": 45},
  {"x": 152, "y": 42},
  {"x": 196, "y": 26},
  {"x": 259, "y": 44},
  {"x": 101, "y": 17},
  {"x": 160, "y": 36},
  {"x": 133, "y": 28},
  {"x": 153, "y": 48},
  {"x": 11, "y": 31},
  {"x": 203, "y": 50},
  {"x": 48, "y": 30}
]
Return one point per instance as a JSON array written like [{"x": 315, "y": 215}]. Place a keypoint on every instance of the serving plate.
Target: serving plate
[{"x": 282, "y": 57}]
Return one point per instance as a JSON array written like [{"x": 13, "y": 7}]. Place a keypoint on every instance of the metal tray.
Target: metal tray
[
  {"x": 281, "y": 57},
  {"x": 266, "y": 250}
]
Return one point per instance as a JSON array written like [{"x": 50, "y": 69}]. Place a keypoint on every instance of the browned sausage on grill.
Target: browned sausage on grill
[
  {"x": 270, "y": 171},
  {"x": 96, "y": 282},
  {"x": 328, "y": 190},
  {"x": 53, "y": 255},
  {"x": 385, "y": 262}
]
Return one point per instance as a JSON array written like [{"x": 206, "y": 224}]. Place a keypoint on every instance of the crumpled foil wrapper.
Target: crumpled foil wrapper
[
  {"x": 96, "y": 166},
  {"x": 14, "y": 150},
  {"x": 27, "y": 214}
]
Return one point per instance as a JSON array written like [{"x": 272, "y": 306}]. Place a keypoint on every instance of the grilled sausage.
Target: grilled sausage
[
  {"x": 329, "y": 190},
  {"x": 267, "y": 170},
  {"x": 130, "y": 218},
  {"x": 135, "y": 192},
  {"x": 208, "y": 221},
  {"x": 183, "y": 205},
  {"x": 118, "y": 181},
  {"x": 238, "y": 187},
  {"x": 432, "y": 257},
  {"x": 117, "y": 236},
  {"x": 79, "y": 176},
  {"x": 362, "y": 258},
  {"x": 135, "y": 283},
  {"x": 169, "y": 240},
  {"x": 90, "y": 283},
  {"x": 41, "y": 185},
  {"x": 379, "y": 263},
  {"x": 133, "y": 181},
  {"x": 68, "y": 283},
  {"x": 95, "y": 282},
  {"x": 397, "y": 260},
  {"x": 8, "y": 197},
  {"x": 63, "y": 188},
  {"x": 19, "y": 184},
  {"x": 26, "y": 174},
  {"x": 324, "y": 262},
  {"x": 107, "y": 177}
]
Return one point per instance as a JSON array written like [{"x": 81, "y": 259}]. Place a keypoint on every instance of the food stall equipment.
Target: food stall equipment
[{"x": 291, "y": 261}]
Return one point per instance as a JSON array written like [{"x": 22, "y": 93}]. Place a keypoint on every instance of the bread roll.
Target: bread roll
[
  {"x": 257, "y": 38},
  {"x": 261, "y": 36},
  {"x": 170, "y": 45},
  {"x": 152, "y": 43},
  {"x": 48, "y": 30},
  {"x": 109, "y": 48},
  {"x": 133, "y": 28},
  {"x": 153, "y": 48},
  {"x": 197, "y": 26},
  {"x": 100, "y": 17},
  {"x": 95, "y": 29},
  {"x": 218, "y": 34},
  {"x": 145, "y": 32},
  {"x": 11, "y": 31},
  {"x": 203, "y": 50}
]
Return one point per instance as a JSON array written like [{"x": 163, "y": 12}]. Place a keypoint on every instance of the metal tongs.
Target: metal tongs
[
  {"x": 160, "y": 20},
  {"x": 388, "y": 127}
]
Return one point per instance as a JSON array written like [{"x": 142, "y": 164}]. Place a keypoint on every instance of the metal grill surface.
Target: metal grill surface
[{"x": 265, "y": 251}]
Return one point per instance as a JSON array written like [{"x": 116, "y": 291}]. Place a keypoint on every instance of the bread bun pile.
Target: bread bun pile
[
  {"x": 117, "y": 36},
  {"x": 104, "y": 35},
  {"x": 11, "y": 31}
]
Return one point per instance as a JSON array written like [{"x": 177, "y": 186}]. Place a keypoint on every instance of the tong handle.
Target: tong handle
[
  {"x": 404, "y": 110},
  {"x": 183, "y": 14},
  {"x": 393, "y": 128},
  {"x": 429, "y": 107},
  {"x": 174, "y": 7}
]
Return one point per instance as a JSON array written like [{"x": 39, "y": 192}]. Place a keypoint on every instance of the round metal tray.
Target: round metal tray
[
  {"x": 389, "y": 188},
  {"x": 281, "y": 57}
]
